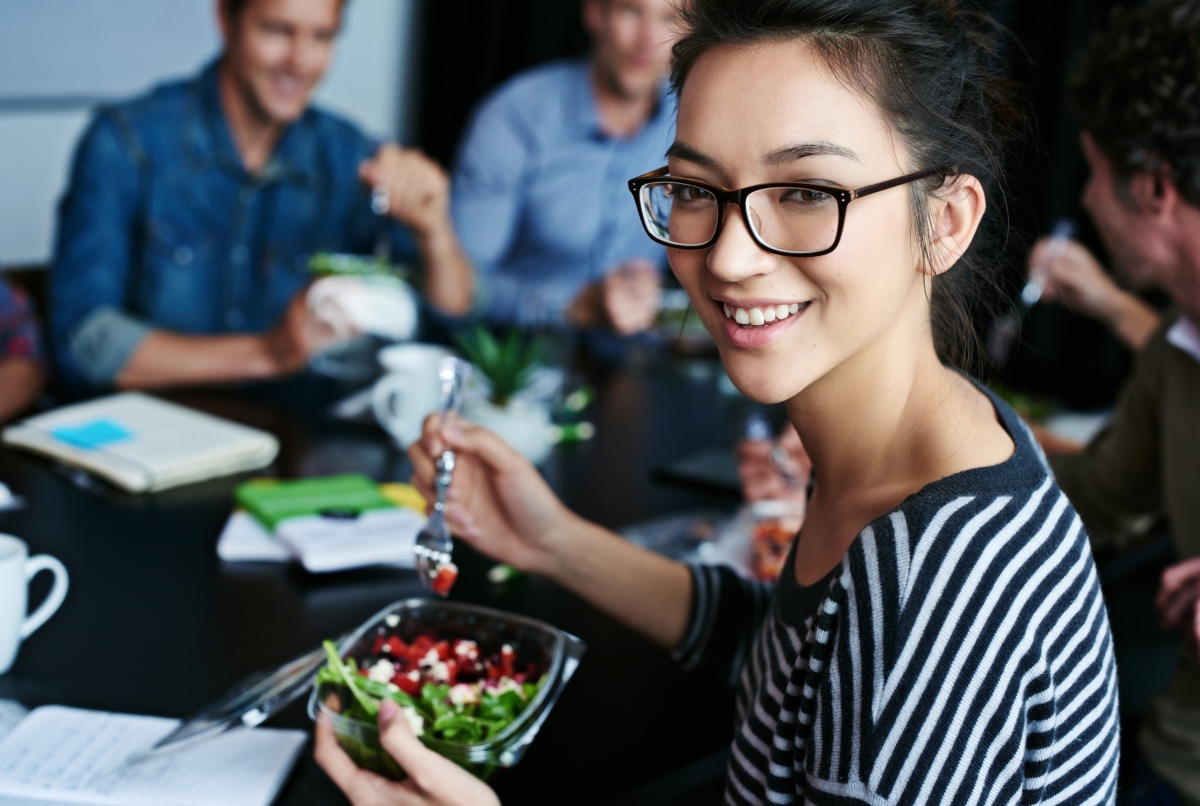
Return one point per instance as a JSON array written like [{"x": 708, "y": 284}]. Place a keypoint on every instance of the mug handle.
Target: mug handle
[
  {"x": 386, "y": 389},
  {"x": 44, "y": 562}
]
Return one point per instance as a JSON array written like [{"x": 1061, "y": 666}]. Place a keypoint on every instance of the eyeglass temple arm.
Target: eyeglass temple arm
[{"x": 900, "y": 180}]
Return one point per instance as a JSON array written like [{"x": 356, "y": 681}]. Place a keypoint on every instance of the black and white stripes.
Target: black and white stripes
[{"x": 961, "y": 656}]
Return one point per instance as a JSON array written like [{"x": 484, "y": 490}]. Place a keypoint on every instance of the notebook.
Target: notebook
[
  {"x": 327, "y": 524},
  {"x": 143, "y": 444},
  {"x": 67, "y": 755}
]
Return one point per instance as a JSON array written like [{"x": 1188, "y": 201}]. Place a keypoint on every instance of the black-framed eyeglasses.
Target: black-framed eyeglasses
[{"x": 794, "y": 219}]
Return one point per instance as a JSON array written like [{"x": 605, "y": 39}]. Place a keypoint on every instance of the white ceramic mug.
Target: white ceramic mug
[
  {"x": 16, "y": 569},
  {"x": 410, "y": 390}
]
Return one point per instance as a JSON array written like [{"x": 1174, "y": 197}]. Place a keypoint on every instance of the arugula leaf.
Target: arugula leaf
[{"x": 370, "y": 706}]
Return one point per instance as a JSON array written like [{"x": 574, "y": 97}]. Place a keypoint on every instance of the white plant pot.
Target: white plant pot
[{"x": 523, "y": 425}]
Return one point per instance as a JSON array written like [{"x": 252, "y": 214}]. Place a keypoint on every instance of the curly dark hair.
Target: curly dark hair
[
  {"x": 1137, "y": 92},
  {"x": 929, "y": 65}
]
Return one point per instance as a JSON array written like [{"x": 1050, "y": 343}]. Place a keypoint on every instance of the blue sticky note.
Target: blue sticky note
[{"x": 90, "y": 436}]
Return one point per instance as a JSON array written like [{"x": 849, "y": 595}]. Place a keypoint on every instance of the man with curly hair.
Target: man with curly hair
[{"x": 1137, "y": 96}]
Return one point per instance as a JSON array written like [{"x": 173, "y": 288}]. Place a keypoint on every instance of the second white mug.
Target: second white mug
[{"x": 410, "y": 390}]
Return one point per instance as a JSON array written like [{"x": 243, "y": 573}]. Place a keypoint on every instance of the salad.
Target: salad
[{"x": 449, "y": 690}]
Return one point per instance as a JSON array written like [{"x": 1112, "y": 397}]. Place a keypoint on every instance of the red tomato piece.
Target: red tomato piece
[
  {"x": 443, "y": 650},
  {"x": 406, "y": 684},
  {"x": 395, "y": 646},
  {"x": 378, "y": 645},
  {"x": 444, "y": 580}
]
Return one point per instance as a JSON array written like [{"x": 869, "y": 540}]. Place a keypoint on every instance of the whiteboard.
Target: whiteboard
[{"x": 71, "y": 52}]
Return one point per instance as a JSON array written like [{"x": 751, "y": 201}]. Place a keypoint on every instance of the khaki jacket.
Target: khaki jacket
[{"x": 1146, "y": 463}]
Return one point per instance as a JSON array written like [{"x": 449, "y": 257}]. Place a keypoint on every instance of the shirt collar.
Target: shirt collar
[
  {"x": 208, "y": 141},
  {"x": 587, "y": 117},
  {"x": 1186, "y": 336}
]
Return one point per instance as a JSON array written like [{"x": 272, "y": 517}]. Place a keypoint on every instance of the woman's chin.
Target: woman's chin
[{"x": 761, "y": 384}]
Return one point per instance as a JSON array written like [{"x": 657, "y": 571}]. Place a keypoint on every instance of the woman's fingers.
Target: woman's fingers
[
  {"x": 361, "y": 787},
  {"x": 432, "y": 779}
]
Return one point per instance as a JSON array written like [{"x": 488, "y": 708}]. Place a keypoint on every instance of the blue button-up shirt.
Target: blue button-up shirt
[
  {"x": 163, "y": 227},
  {"x": 540, "y": 195}
]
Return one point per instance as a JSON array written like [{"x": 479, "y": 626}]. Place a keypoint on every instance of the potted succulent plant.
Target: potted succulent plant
[{"x": 507, "y": 367}]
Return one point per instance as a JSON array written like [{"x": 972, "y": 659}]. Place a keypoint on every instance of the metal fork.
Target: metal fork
[{"x": 434, "y": 546}]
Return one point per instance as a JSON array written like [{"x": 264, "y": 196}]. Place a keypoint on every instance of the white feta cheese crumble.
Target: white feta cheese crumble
[
  {"x": 464, "y": 694},
  {"x": 414, "y": 719},
  {"x": 392, "y": 620},
  {"x": 382, "y": 672},
  {"x": 467, "y": 649}
]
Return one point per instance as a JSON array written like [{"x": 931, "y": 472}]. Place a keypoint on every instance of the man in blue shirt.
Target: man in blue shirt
[
  {"x": 184, "y": 237},
  {"x": 539, "y": 192}
]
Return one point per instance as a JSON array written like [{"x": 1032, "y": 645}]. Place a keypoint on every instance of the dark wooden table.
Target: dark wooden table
[{"x": 155, "y": 623}]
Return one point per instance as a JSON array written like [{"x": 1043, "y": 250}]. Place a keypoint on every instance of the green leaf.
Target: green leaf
[{"x": 508, "y": 364}]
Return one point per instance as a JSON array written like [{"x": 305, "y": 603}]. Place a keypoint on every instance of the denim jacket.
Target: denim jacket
[{"x": 163, "y": 228}]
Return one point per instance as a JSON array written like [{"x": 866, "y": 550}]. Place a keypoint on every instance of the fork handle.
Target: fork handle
[{"x": 445, "y": 473}]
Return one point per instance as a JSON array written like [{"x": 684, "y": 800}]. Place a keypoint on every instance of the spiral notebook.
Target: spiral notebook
[
  {"x": 143, "y": 444},
  {"x": 58, "y": 755}
]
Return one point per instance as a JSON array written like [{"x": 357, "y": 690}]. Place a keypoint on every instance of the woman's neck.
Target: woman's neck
[{"x": 878, "y": 428}]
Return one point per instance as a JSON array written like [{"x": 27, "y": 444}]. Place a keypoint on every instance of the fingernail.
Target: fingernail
[{"x": 387, "y": 712}]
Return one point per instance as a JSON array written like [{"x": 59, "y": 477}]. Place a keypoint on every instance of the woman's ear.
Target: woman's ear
[{"x": 957, "y": 211}]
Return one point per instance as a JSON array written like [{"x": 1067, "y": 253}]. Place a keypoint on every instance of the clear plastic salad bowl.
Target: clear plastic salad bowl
[{"x": 554, "y": 651}]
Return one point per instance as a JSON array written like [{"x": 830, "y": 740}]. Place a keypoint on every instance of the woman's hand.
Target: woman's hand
[
  {"x": 761, "y": 477},
  {"x": 1178, "y": 600},
  {"x": 432, "y": 780},
  {"x": 498, "y": 502}
]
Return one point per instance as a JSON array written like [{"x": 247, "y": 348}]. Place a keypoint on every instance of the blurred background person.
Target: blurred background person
[
  {"x": 539, "y": 192},
  {"x": 22, "y": 367},
  {"x": 1135, "y": 96},
  {"x": 182, "y": 244}
]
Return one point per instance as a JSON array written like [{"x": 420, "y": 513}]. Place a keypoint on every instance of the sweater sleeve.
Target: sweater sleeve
[
  {"x": 1117, "y": 478},
  {"x": 728, "y": 610}
]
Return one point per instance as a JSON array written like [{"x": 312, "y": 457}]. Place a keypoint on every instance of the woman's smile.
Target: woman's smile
[{"x": 754, "y": 324}]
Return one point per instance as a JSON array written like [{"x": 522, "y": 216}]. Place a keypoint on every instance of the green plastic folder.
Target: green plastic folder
[{"x": 271, "y": 502}]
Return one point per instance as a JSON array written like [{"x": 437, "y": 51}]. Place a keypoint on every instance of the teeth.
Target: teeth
[{"x": 757, "y": 317}]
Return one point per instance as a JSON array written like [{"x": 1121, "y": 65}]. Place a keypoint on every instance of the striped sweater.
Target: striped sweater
[{"x": 961, "y": 655}]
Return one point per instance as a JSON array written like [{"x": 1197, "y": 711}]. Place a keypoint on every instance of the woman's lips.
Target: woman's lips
[{"x": 752, "y": 336}]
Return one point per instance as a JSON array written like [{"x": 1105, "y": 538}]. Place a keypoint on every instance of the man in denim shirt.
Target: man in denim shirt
[
  {"x": 540, "y": 192},
  {"x": 184, "y": 237}
]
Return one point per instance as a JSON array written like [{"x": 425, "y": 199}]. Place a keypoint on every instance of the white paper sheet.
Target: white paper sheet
[
  {"x": 70, "y": 755},
  {"x": 244, "y": 539}
]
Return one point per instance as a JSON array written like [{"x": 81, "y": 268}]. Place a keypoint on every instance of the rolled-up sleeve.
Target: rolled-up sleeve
[
  {"x": 91, "y": 335},
  {"x": 728, "y": 610}
]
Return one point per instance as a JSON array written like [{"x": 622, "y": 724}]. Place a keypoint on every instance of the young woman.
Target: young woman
[{"x": 938, "y": 635}]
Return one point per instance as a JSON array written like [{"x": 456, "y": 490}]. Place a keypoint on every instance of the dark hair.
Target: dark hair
[
  {"x": 927, "y": 64},
  {"x": 1137, "y": 92}
]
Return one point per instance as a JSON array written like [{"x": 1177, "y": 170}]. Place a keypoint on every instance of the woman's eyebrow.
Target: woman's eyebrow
[
  {"x": 801, "y": 150},
  {"x": 683, "y": 151}
]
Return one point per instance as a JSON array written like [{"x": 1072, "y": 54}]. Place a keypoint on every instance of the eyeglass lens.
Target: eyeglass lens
[{"x": 783, "y": 218}]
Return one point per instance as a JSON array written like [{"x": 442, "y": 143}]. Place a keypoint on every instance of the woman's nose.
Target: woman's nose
[{"x": 736, "y": 256}]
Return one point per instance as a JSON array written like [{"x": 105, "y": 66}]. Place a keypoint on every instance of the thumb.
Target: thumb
[{"x": 397, "y": 737}]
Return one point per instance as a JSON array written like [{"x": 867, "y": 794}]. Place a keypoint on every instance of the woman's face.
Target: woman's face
[{"x": 776, "y": 113}]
